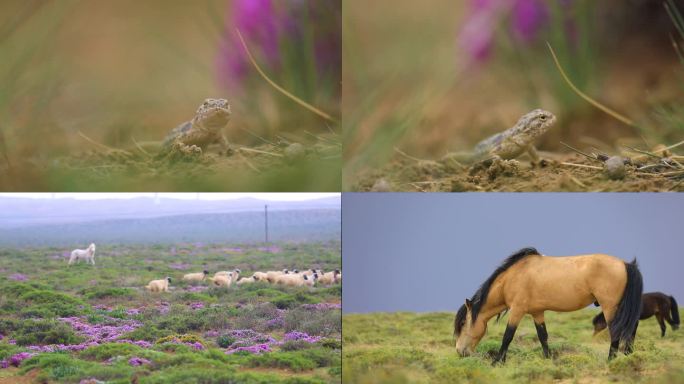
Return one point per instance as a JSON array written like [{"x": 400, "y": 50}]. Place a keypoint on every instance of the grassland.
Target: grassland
[
  {"x": 419, "y": 347},
  {"x": 103, "y": 325}
]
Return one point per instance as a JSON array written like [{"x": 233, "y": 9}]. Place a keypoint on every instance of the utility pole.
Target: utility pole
[{"x": 266, "y": 222}]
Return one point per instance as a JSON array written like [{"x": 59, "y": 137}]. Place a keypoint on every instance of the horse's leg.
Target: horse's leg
[
  {"x": 540, "y": 325},
  {"x": 513, "y": 320},
  {"x": 659, "y": 316},
  {"x": 609, "y": 313},
  {"x": 630, "y": 343}
]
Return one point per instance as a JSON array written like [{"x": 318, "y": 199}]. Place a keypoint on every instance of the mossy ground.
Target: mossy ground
[{"x": 419, "y": 347}]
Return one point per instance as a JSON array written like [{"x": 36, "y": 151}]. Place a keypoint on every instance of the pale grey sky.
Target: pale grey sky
[
  {"x": 185, "y": 196},
  {"x": 428, "y": 252}
]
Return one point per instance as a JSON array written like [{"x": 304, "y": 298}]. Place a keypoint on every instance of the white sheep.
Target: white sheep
[
  {"x": 246, "y": 280},
  {"x": 85, "y": 254},
  {"x": 272, "y": 276},
  {"x": 200, "y": 276},
  {"x": 296, "y": 280},
  {"x": 260, "y": 276},
  {"x": 222, "y": 280},
  {"x": 159, "y": 285},
  {"x": 329, "y": 278},
  {"x": 311, "y": 272}
]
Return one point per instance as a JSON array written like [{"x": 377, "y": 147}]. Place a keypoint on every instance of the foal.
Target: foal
[
  {"x": 529, "y": 283},
  {"x": 664, "y": 307}
]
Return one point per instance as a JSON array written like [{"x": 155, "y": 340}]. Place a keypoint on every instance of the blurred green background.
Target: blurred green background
[
  {"x": 124, "y": 69},
  {"x": 438, "y": 76}
]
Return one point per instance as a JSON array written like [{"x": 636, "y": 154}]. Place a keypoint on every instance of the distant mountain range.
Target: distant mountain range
[{"x": 147, "y": 220}]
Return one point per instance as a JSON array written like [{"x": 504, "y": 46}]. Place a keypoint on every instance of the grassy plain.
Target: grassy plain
[{"x": 419, "y": 347}]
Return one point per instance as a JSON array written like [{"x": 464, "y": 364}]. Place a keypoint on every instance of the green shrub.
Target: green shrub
[
  {"x": 47, "y": 304},
  {"x": 323, "y": 323},
  {"x": 295, "y": 345},
  {"x": 34, "y": 332},
  {"x": 283, "y": 360},
  {"x": 331, "y": 343},
  {"x": 106, "y": 351},
  {"x": 106, "y": 292},
  {"x": 147, "y": 332},
  {"x": 225, "y": 341}
]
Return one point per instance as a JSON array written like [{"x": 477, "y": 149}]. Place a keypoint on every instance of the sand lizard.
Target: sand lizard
[
  {"x": 515, "y": 141},
  {"x": 204, "y": 129}
]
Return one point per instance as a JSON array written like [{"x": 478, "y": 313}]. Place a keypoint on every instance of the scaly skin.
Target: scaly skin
[
  {"x": 517, "y": 140},
  {"x": 204, "y": 129}
]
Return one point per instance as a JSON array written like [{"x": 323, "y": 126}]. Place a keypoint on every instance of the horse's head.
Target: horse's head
[
  {"x": 467, "y": 333},
  {"x": 92, "y": 247}
]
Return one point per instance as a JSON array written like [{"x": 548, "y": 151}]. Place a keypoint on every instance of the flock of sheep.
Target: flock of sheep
[
  {"x": 286, "y": 277},
  {"x": 227, "y": 278}
]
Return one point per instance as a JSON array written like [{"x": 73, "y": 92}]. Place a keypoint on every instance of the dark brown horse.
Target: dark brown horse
[
  {"x": 529, "y": 283},
  {"x": 657, "y": 304}
]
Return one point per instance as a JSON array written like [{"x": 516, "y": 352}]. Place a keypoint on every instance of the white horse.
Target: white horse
[{"x": 83, "y": 254}]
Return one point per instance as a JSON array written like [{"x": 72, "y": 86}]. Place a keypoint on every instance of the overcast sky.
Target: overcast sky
[
  {"x": 187, "y": 196},
  {"x": 428, "y": 252}
]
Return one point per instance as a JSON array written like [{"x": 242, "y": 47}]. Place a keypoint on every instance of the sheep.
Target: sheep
[
  {"x": 246, "y": 280},
  {"x": 330, "y": 277},
  {"x": 159, "y": 285},
  {"x": 260, "y": 276},
  {"x": 310, "y": 272},
  {"x": 86, "y": 254},
  {"x": 272, "y": 276},
  {"x": 297, "y": 280},
  {"x": 310, "y": 280},
  {"x": 200, "y": 276},
  {"x": 222, "y": 279}
]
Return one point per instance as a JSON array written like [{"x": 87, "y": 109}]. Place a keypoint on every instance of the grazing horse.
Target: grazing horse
[
  {"x": 529, "y": 283},
  {"x": 664, "y": 307},
  {"x": 86, "y": 254}
]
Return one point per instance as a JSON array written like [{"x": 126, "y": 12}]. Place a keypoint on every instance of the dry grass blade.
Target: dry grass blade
[
  {"x": 281, "y": 89},
  {"x": 585, "y": 96},
  {"x": 582, "y": 166},
  {"x": 141, "y": 149},
  {"x": 88, "y": 139},
  {"x": 245, "y": 149},
  {"x": 580, "y": 152}
]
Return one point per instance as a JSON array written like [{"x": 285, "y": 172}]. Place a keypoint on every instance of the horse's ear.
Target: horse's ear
[{"x": 468, "y": 304}]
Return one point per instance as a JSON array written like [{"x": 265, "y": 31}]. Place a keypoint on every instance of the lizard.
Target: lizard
[
  {"x": 513, "y": 142},
  {"x": 204, "y": 129}
]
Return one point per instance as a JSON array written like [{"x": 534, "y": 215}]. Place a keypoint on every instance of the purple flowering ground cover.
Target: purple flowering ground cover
[{"x": 82, "y": 323}]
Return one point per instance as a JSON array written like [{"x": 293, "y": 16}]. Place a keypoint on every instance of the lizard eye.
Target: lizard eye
[{"x": 542, "y": 117}]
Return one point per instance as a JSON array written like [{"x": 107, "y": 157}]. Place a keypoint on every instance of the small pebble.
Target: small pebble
[
  {"x": 294, "y": 152},
  {"x": 381, "y": 185},
  {"x": 615, "y": 168}
]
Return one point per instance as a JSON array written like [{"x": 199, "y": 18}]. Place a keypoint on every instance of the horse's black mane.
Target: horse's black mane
[{"x": 480, "y": 297}]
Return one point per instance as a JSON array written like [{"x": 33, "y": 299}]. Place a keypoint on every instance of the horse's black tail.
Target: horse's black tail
[
  {"x": 627, "y": 315},
  {"x": 674, "y": 310}
]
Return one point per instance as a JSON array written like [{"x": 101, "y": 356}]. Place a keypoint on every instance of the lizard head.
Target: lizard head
[
  {"x": 213, "y": 114},
  {"x": 536, "y": 122}
]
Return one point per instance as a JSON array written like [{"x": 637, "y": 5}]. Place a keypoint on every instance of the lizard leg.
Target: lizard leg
[
  {"x": 188, "y": 149},
  {"x": 532, "y": 152},
  {"x": 225, "y": 145}
]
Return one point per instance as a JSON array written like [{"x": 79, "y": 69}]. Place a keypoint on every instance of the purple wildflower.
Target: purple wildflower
[
  {"x": 255, "y": 349},
  {"x": 196, "y": 305},
  {"x": 197, "y": 288},
  {"x": 17, "y": 277},
  {"x": 4, "y": 364},
  {"x": 528, "y": 17},
  {"x": 303, "y": 336},
  {"x": 138, "y": 361},
  {"x": 16, "y": 360}
]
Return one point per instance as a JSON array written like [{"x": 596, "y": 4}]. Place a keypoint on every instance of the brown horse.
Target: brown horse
[
  {"x": 664, "y": 308},
  {"x": 529, "y": 283}
]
